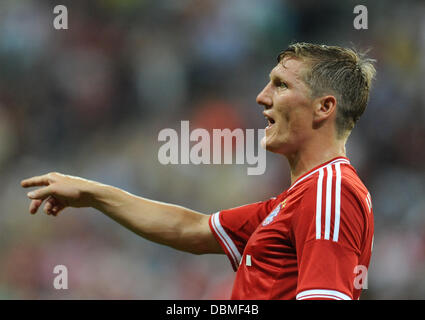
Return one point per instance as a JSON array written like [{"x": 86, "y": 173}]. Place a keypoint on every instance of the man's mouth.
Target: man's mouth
[{"x": 270, "y": 121}]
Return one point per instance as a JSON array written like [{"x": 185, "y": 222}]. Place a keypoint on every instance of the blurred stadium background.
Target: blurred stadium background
[{"x": 91, "y": 100}]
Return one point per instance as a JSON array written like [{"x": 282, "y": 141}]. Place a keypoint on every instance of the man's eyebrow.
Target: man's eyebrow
[
  {"x": 276, "y": 76},
  {"x": 273, "y": 75}
]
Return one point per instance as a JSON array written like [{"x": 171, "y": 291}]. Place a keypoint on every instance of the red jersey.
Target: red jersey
[{"x": 309, "y": 242}]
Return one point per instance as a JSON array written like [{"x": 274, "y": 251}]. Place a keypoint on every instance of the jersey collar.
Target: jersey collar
[{"x": 317, "y": 168}]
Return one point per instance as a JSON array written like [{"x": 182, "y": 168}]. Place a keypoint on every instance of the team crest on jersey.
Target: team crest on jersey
[{"x": 274, "y": 213}]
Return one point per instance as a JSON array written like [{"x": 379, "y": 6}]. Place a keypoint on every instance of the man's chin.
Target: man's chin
[
  {"x": 274, "y": 147},
  {"x": 269, "y": 146},
  {"x": 264, "y": 143}
]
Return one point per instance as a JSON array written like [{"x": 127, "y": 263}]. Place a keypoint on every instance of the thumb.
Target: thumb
[{"x": 41, "y": 193}]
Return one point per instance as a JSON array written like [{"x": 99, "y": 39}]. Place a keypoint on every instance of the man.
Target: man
[{"x": 307, "y": 242}]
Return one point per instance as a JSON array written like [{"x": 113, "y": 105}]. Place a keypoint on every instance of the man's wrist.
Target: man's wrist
[
  {"x": 92, "y": 192},
  {"x": 103, "y": 197}
]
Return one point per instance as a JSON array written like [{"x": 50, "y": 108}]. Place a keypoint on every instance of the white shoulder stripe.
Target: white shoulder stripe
[
  {"x": 227, "y": 241},
  {"x": 322, "y": 293},
  {"x": 369, "y": 202},
  {"x": 331, "y": 194},
  {"x": 319, "y": 205},
  {"x": 328, "y": 202}
]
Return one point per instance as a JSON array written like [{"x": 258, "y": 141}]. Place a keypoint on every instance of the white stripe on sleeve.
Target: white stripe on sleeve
[
  {"x": 227, "y": 241},
  {"x": 337, "y": 201},
  {"x": 322, "y": 293}
]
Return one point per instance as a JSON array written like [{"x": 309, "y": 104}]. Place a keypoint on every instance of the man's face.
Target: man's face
[{"x": 288, "y": 108}]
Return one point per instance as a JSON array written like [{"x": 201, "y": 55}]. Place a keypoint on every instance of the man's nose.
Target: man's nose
[{"x": 264, "y": 97}]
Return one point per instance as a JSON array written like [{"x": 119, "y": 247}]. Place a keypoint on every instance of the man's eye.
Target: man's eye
[{"x": 281, "y": 84}]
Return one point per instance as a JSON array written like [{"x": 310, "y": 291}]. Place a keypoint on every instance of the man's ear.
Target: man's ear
[{"x": 324, "y": 107}]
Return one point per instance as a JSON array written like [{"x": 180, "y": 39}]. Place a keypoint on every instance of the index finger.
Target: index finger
[{"x": 36, "y": 181}]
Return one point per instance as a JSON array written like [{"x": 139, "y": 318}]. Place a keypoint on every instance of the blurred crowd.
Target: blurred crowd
[{"x": 91, "y": 100}]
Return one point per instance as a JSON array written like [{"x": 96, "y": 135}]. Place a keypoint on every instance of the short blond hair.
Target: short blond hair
[{"x": 342, "y": 72}]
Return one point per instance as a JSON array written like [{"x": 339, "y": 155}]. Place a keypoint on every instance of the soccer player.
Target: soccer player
[{"x": 307, "y": 242}]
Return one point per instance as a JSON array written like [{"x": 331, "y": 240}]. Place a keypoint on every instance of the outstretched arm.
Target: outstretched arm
[{"x": 163, "y": 223}]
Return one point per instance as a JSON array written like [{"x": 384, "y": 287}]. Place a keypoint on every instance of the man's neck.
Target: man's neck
[{"x": 305, "y": 160}]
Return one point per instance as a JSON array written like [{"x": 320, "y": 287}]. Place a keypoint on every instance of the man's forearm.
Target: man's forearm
[
  {"x": 163, "y": 223},
  {"x": 168, "y": 224}
]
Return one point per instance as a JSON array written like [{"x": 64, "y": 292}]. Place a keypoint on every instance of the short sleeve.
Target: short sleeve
[
  {"x": 329, "y": 233},
  {"x": 233, "y": 227}
]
